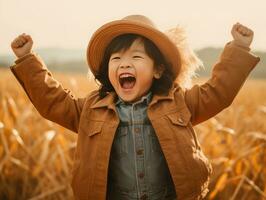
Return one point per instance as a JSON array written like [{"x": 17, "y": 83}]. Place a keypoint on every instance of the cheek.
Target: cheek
[
  {"x": 146, "y": 77},
  {"x": 146, "y": 73},
  {"x": 111, "y": 74}
]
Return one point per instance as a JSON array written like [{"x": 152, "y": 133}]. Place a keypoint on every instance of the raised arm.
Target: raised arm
[
  {"x": 48, "y": 96},
  {"x": 228, "y": 76}
]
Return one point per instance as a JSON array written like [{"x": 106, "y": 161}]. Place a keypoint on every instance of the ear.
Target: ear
[{"x": 158, "y": 71}]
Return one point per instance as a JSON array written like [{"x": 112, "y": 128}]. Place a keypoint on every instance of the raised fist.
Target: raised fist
[
  {"x": 242, "y": 35},
  {"x": 22, "y": 45}
]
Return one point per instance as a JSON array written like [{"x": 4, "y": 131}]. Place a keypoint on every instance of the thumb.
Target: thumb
[
  {"x": 28, "y": 38},
  {"x": 235, "y": 29}
]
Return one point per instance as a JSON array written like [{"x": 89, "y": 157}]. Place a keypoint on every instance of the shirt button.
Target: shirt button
[
  {"x": 143, "y": 197},
  {"x": 140, "y": 152},
  {"x": 141, "y": 175},
  {"x": 137, "y": 130}
]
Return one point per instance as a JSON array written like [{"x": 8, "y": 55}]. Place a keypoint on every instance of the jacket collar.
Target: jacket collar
[
  {"x": 156, "y": 98},
  {"x": 110, "y": 99}
]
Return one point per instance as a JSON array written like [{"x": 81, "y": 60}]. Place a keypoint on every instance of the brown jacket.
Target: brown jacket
[{"x": 173, "y": 116}]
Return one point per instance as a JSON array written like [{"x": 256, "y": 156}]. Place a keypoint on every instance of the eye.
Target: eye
[
  {"x": 138, "y": 57},
  {"x": 115, "y": 58}
]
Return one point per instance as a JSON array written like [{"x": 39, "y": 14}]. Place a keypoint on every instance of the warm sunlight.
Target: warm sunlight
[
  {"x": 132, "y": 111},
  {"x": 69, "y": 24}
]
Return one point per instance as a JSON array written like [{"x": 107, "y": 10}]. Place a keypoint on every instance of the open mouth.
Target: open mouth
[{"x": 127, "y": 81}]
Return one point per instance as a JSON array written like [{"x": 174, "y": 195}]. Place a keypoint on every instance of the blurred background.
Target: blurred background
[
  {"x": 61, "y": 29},
  {"x": 36, "y": 155}
]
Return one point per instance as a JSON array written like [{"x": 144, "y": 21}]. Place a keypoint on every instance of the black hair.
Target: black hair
[{"x": 123, "y": 43}]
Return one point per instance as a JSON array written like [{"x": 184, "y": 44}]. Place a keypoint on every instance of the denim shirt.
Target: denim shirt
[{"x": 137, "y": 166}]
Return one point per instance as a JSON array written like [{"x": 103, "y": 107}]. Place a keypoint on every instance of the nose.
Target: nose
[
  {"x": 124, "y": 66},
  {"x": 125, "y": 63}
]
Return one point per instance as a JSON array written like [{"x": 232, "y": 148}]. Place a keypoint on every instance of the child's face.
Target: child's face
[{"x": 131, "y": 72}]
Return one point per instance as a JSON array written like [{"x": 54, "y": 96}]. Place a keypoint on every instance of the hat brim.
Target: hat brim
[{"x": 104, "y": 35}]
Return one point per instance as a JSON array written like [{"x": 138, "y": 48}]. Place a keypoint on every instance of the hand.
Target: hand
[
  {"x": 242, "y": 35},
  {"x": 22, "y": 45}
]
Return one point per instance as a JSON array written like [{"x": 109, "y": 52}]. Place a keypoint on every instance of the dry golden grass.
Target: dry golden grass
[
  {"x": 235, "y": 141},
  {"x": 36, "y": 155}
]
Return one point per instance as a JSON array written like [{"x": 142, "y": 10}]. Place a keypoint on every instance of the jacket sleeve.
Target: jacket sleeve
[
  {"x": 228, "y": 75},
  {"x": 48, "y": 96}
]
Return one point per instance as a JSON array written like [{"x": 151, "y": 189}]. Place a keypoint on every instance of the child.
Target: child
[{"x": 135, "y": 134}]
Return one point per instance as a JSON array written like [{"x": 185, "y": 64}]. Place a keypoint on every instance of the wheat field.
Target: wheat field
[{"x": 36, "y": 155}]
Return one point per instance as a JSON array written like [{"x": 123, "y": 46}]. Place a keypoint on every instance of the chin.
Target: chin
[{"x": 129, "y": 99}]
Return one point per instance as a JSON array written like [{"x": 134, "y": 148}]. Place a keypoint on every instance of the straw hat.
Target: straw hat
[{"x": 136, "y": 24}]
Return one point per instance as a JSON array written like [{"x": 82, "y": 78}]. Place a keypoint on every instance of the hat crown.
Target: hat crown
[
  {"x": 131, "y": 24},
  {"x": 140, "y": 19}
]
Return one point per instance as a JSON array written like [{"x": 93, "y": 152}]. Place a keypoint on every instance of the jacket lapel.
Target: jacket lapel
[{"x": 108, "y": 101}]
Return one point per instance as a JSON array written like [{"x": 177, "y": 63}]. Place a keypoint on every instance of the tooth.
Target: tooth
[{"x": 126, "y": 75}]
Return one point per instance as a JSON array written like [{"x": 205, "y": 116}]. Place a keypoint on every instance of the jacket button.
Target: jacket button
[
  {"x": 141, "y": 175},
  {"x": 140, "y": 152},
  {"x": 180, "y": 120},
  {"x": 144, "y": 197}
]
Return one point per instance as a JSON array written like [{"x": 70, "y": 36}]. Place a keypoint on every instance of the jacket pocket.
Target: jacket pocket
[
  {"x": 179, "y": 118},
  {"x": 180, "y": 125},
  {"x": 94, "y": 127}
]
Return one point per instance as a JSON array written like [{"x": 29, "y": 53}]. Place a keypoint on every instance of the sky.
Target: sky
[{"x": 70, "y": 24}]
